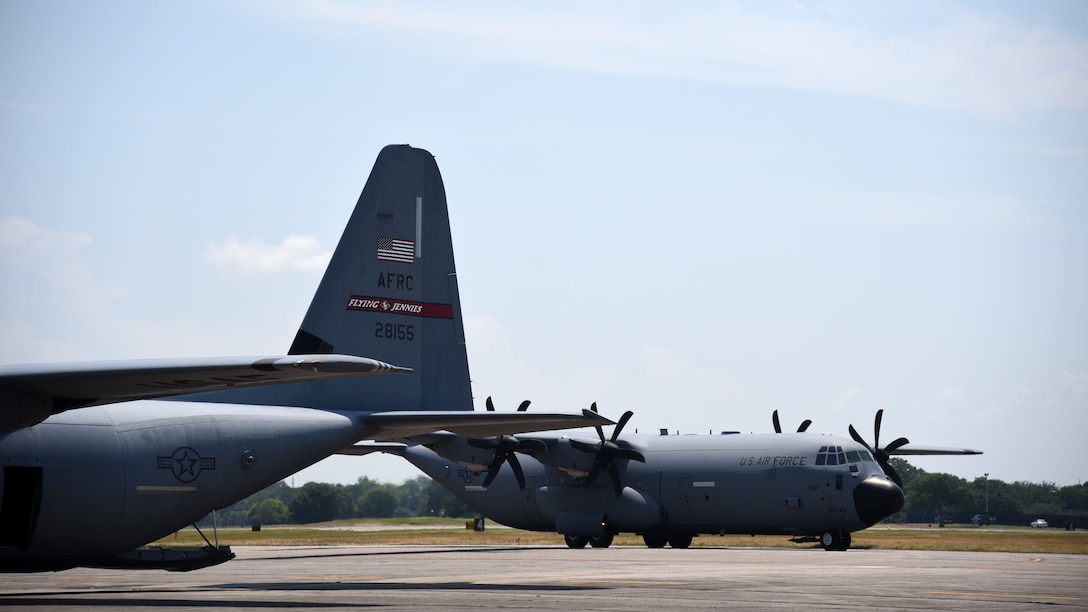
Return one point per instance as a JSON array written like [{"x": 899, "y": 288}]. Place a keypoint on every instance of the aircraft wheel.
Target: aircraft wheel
[
  {"x": 833, "y": 540},
  {"x": 655, "y": 541},
  {"x": 575, "y": 541},
  {"x": 603, "y": 541},
  {"x": 845, "y": 541},
  {"x": 680, "y": 540}
]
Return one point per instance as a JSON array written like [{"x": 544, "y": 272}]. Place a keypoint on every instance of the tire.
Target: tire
[
  {"x": 575, "y": 541},
  {"x": 835, "y": 540},
  {"x": 680, "y": 540},
  {"x": 603, "y": 541}
]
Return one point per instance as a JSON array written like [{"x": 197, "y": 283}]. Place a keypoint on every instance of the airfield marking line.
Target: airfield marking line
[
  {"x": 1023, "y": 595},
  {"x": 642, "y": 582}
]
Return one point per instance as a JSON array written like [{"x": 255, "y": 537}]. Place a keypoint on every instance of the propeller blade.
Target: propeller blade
[
  {"x": 857, "y": 438},
  {"x": 516, "y": 466},
  {"x": 804, "y": 426},
  {"x": 619, "y": 426},
  {"x": 614, "y": 473},
  {"x": 777, "y": 424},
  {"x": 483, "y": 443},
  {"x": 890, "y": 471},
  {"x": 632, "y": 454},
  {"x": 593, "y": 472},
  {"x": 524, "y": 406},
  {"x": 600, "y": 432},
  {"x": 896, "y": 444},
  {"x": 532, "y": 445},
  {"x": 493, "y": 471},
  {"x": 876, "y": 428},
  {"x": 490, "y": 405},
  {"x": 585, "y": 447}
]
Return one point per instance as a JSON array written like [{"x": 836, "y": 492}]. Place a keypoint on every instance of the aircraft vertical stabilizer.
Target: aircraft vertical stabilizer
[{"x": 390, "y": 292}]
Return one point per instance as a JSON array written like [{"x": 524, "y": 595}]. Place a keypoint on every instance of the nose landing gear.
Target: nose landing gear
[{"x": 835, "y": 540}]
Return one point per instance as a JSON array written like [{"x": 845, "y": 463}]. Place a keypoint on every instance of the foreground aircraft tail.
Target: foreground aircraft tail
[{"x": 390, "y": 292}]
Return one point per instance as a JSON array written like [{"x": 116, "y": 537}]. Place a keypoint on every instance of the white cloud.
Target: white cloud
[
  {"x": 976, "y": 61},
  {"x": 301, "y": 253},
  {"x": 55, "y": 258}
]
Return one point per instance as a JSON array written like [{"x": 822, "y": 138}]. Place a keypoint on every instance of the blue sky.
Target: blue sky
[{"x": 701, "y": 213}]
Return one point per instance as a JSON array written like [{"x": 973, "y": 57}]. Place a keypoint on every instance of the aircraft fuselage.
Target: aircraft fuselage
[
  {"x": 783, "y": 484},
  {"x": 85, "y": 485}
]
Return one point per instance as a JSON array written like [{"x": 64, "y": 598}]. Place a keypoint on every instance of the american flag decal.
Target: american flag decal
[{"x": 396, "y": 249}]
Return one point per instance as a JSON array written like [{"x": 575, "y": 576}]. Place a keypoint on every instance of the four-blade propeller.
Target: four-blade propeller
[{"x": 882, "y": 455}]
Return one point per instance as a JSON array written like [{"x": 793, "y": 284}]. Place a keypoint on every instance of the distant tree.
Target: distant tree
[
  {"x": 379, "y": 502},
  {"x": 271, "y": 511},
  {"x": 1074, "y": 497},
  {"x": 938, "y": 493},
  {"x": 319, "y": 501},
  {"x": 906, "y": 471},
  {"x": 452, "y": 506}
]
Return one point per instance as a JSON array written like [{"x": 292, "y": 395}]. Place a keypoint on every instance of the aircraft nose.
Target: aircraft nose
[{"x": 876, "y": 498}]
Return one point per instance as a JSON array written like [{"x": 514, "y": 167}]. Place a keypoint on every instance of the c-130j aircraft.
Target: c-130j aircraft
[
  {"x": 98, "y": 459},
  {"x": 671, "y": 488}
]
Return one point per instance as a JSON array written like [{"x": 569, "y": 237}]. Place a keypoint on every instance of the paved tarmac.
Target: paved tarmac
[{"x": 558, "y": 578}]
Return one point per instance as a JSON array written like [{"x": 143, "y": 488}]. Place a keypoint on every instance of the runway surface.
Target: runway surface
[{"x": 558, "y": 578}]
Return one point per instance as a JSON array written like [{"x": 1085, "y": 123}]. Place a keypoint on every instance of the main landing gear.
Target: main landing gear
[
  {"x": 675, "y": 540},
  {"x": 580, "y": 541}
]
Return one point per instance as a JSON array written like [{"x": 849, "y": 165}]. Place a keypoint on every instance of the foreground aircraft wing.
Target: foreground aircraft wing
[
  {"x": 933, "y": 450},
  {"x": 411, "y": 424},
  {"x": 31, "y": 393}
]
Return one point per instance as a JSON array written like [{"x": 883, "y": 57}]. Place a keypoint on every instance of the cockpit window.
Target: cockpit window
[{"x": 835, "y": 455}]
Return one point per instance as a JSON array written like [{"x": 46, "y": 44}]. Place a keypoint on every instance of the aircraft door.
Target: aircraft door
[
  {"x": 19, "y": 506},
  {"x": 685, "y": 492}
]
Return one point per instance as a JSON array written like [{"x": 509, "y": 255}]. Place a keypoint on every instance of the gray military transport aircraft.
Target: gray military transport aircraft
[
  {"x": 670, "y": 488},
  {"x": 101, "y": 458}
]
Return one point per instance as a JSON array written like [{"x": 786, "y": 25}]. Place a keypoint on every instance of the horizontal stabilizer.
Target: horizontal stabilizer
[
  {"x": 933, "y": 450},
  {"x": 34, "y": 392},
  {"x": 406, "y": 425}
]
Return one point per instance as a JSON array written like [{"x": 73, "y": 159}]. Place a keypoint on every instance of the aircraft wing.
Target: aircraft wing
[
  {"x": 933, "y": 450},
  {"x": 408, "y": 425},
  {"x": 31, "y": 393}
]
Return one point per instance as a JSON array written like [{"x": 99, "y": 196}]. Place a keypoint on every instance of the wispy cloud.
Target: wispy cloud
[
  {"x": 295, "y": 253},
  {"x": 981, "y": 62},
  {"x": 55, "y": 257}
]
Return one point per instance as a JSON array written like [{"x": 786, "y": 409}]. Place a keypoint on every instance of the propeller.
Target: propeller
[
  {"x": 607, "y": 451},
  {"x": 522, "y": 407},
  {"x": 778, "y": 425},
  {"x": 882, "y": 455},
  {"x": 505, "y": 448}
]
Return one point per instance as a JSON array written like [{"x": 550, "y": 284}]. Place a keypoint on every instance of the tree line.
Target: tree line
[
  {"x": 934, "y": 495},
  {"x": 928, "y": 496},
  {"x": 317, "y": 502}
]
